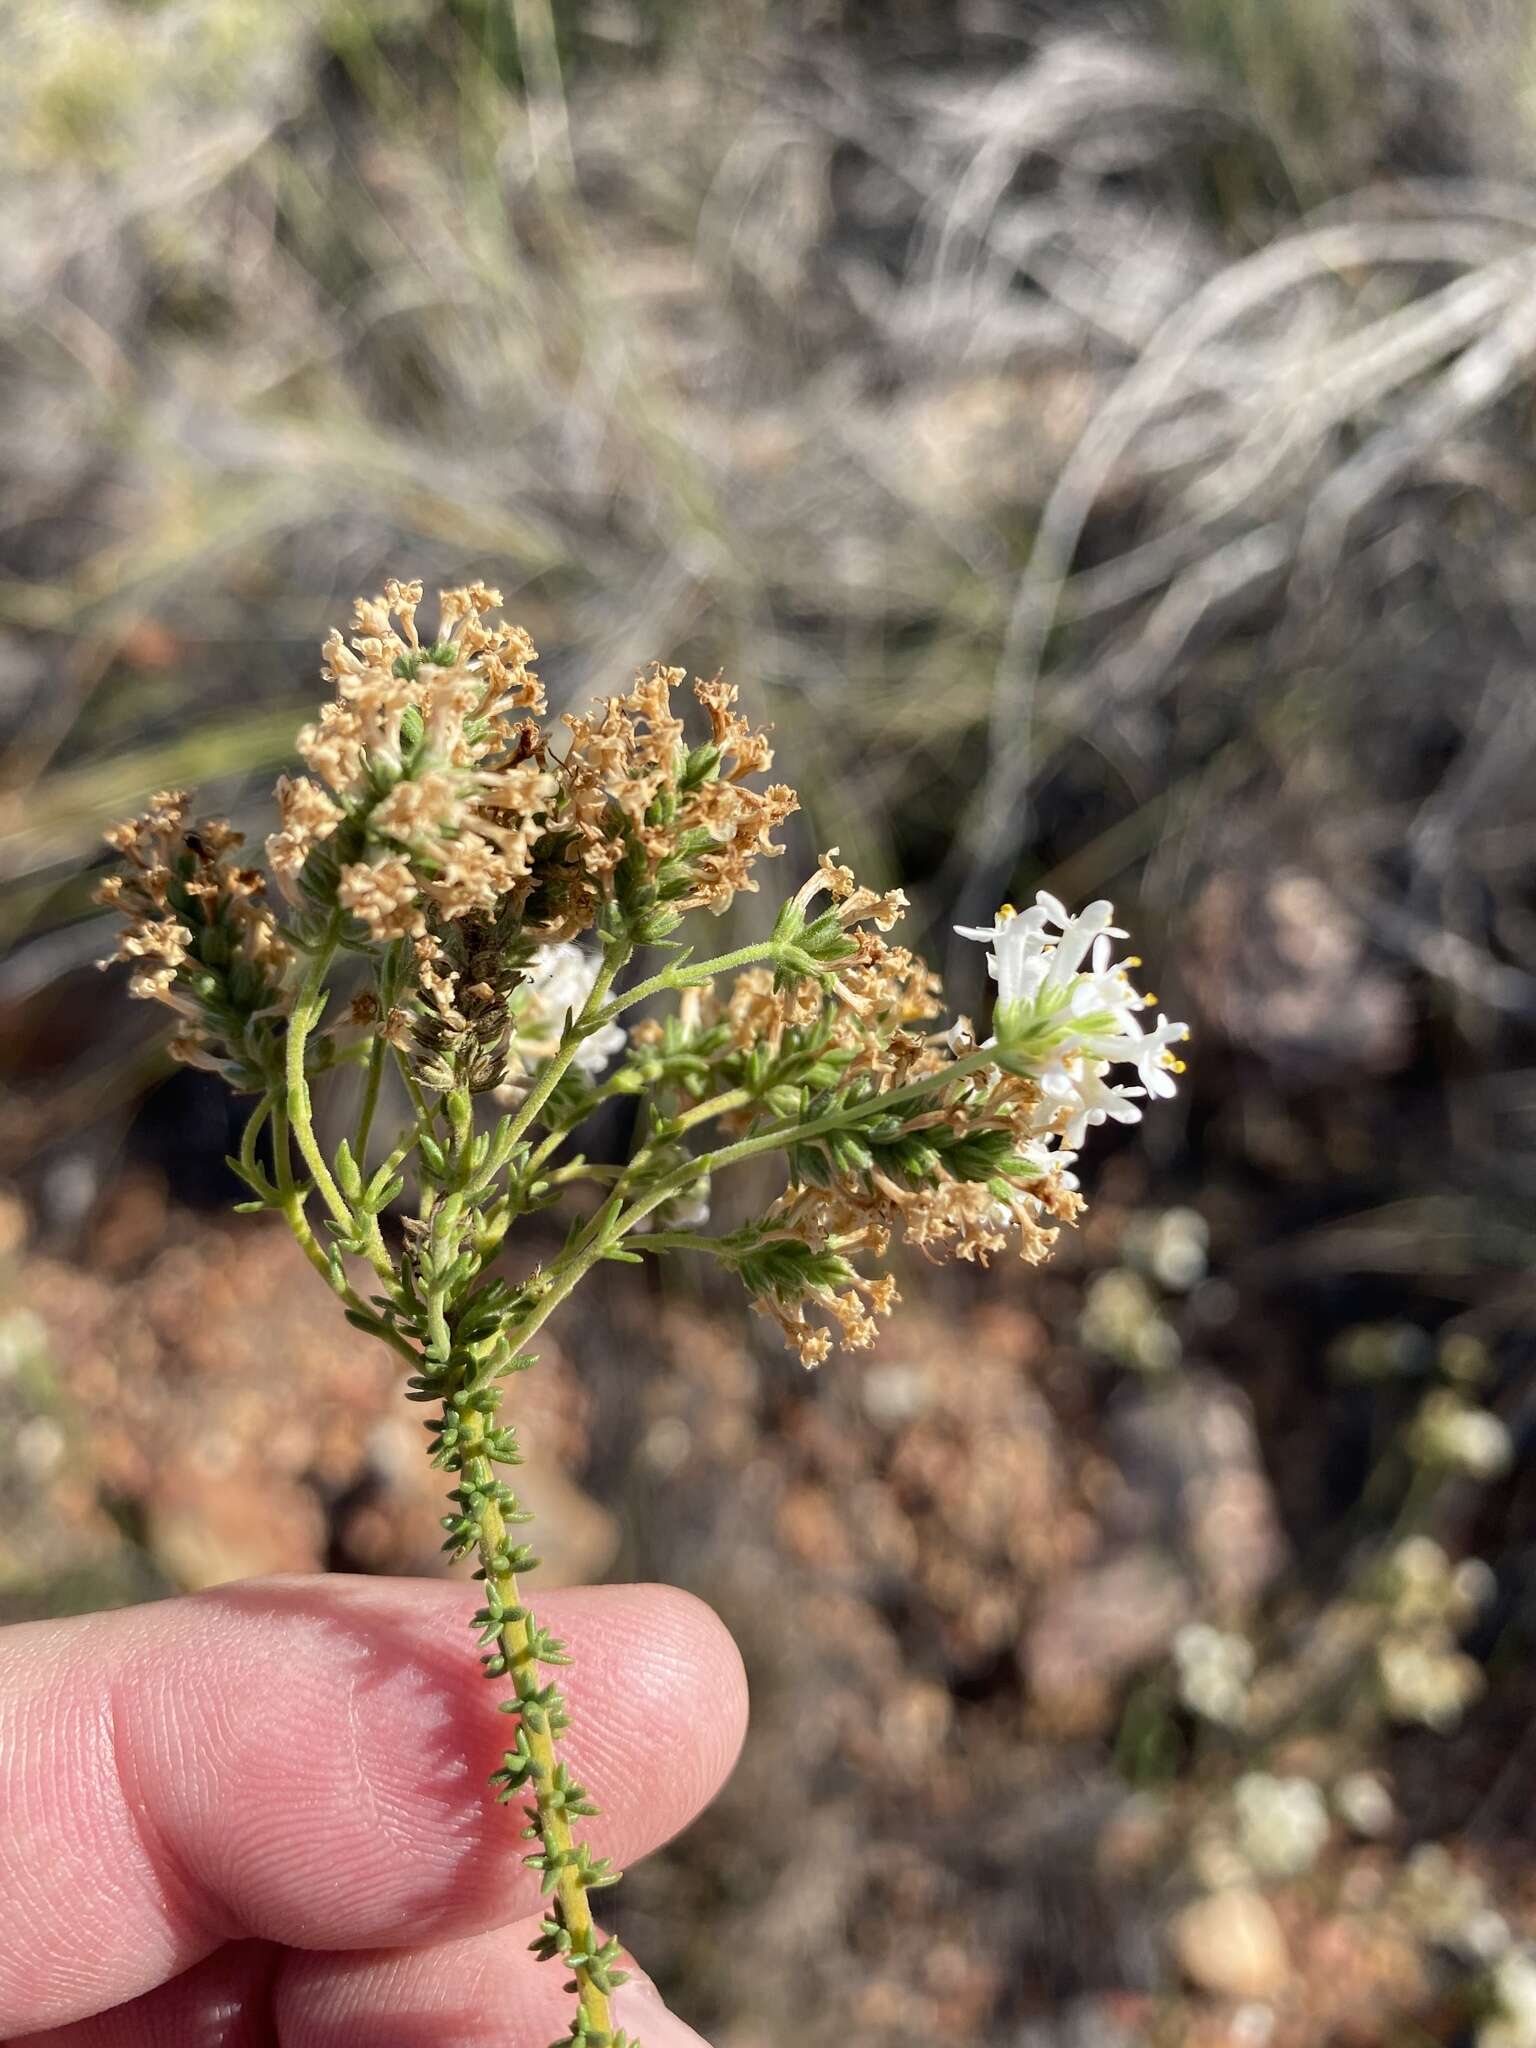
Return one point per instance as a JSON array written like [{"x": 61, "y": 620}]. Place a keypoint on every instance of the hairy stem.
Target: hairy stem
[
  {"x": 692, "y": 974},
  {"x": 472, "y": 1444},
  {"x": 779, "y": 1136},
  {"x": 308, "y": 1008},
  {"x": 614, "y": 956},
  {"x": 713, "y": 1106},
  {"x": 370, "y": 1103},
  {"x": 291, "y": 1208},
  {"x": 518, "y": 1646}
]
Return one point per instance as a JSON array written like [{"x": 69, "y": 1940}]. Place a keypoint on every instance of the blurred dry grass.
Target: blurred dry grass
[{"x": 1099, "y": 435}]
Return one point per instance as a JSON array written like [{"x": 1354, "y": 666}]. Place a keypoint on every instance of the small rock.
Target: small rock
[{"x": 1231, "y": 1944}]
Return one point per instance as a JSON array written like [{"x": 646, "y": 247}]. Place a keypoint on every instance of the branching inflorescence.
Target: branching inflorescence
[{"x": 436, "y": 873}]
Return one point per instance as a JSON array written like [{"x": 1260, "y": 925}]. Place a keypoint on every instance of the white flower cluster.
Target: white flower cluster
[
  {"x": 1060, "y": 990},
  {"x": 1214, "y": 1670},
  {"x": 1282, "y": 1823},
  {"x": 557, "y": 984},
  {"x": 1424, "y": 1678}
]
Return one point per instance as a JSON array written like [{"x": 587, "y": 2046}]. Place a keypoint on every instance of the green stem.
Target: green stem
[
  {"x": 518, "y": 1638},
  {"x": 715, "y": 1105},
  {"x": 515, "y": 1641},
  {"x": 308, "y": 1008},
  {"x": 583, "y": 1169},
  {"x": 779, "y": 1136},
  {"x": 291, "y": 1205},
  {"x": 254, "y": 1125},
  {"x": 677, "y": 1241},
  {"x": 690, "y": 975},
  {"x": 370, "y": 1103},
  {"x": 580, "y": 1027},
  {"x": 405, "y": 1146}
]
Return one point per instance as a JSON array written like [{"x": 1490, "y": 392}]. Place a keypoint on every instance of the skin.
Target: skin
[{"x": 259, "y": 1815}]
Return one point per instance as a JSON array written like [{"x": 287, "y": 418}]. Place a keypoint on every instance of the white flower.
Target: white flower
[
  {"x": 1090, "y": 1100},
  {"x": 1062, "y": 994},
  {"x": 1282, "y": 1823},
  {"x": 1031, "y": 964},
  {"x": 1214, "y": 1670},
  {"x": 557, "y": 983}
]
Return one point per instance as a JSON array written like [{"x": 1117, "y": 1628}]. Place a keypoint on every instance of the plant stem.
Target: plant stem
[
  {"x": 308, "y": 1008},
  {"x": 488, "y": 1509},
  {"x": 780, "y": 1135},
  {"x": 713, "y": 1106},
  {"x": 690, "y": 975},
  {"x": 570, "y": 1044},
  {"x": 515, "y": 1643},
  {"x": 370, "y": 1103},
  {"x": 678, "y": 1241},
  {"x": 254, "y": 1125},
  {"x": 291, "y": 1206}
]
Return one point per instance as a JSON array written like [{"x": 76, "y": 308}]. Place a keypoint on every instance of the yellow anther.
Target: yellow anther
[
  {"x": 1149, "y": 995},
  {"x": 1131, "y": 960},
  {"x": 1004, "y": 912}
]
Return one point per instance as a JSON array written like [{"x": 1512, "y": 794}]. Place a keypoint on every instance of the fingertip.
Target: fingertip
[
  {"x": 306, "y": 1761},
  {"x": 687, "y": 1673},
  {"x": 481, "y": 1991}
]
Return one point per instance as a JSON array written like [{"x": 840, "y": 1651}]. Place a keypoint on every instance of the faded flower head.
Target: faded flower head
[
  {"x": 441, "y": 817},
  {"x": 200, "y": 937}
]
